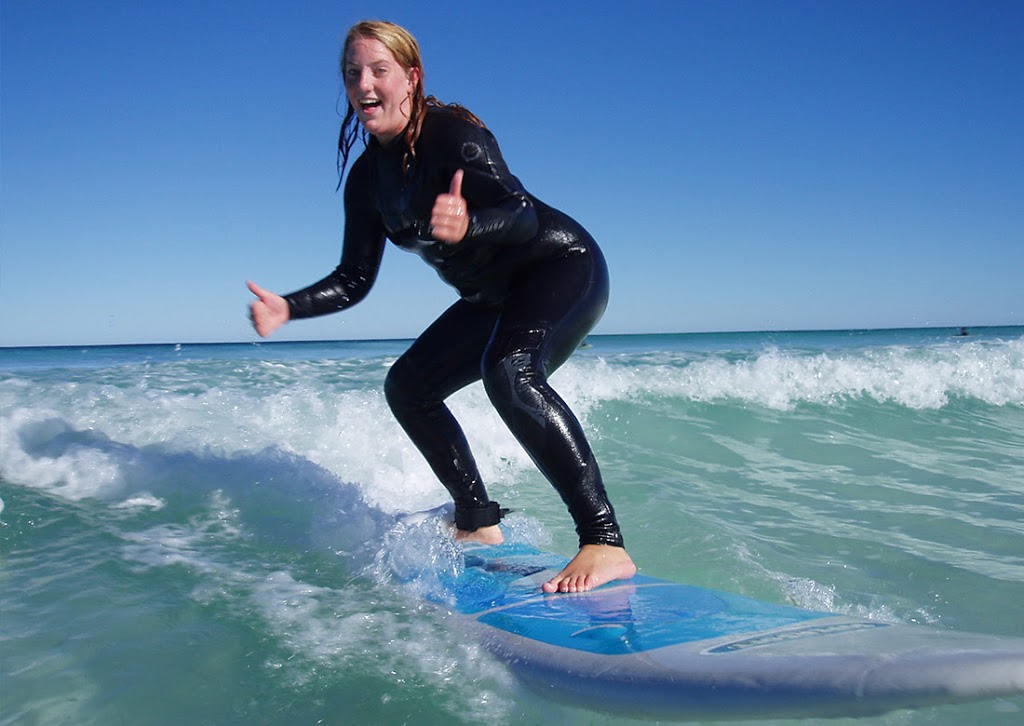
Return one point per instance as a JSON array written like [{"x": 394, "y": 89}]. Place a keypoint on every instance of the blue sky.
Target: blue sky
[{"x": 745, "y": 165}]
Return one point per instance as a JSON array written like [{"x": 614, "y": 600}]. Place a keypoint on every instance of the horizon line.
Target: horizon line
[{"x": 593, "y": 335}]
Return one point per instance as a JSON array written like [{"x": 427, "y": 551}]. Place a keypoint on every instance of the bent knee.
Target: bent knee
[
  {"x": 512, "y": 360},
  {"x": 514, "y": 386},
  {"x": 400, "y": 383},
  {"x": 502, "y": 377}
]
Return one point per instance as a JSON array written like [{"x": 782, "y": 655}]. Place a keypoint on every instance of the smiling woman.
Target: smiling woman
[
  {"x": 392, "y": 55},
  {"x": 532, "y": 284},
  {"x": 379, "y": 89}
]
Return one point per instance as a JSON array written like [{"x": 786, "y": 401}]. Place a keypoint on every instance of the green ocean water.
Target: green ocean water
[{"x": 204, "y": 534}]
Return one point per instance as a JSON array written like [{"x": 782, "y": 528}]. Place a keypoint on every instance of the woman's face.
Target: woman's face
[{"x": 378, "y": 88}]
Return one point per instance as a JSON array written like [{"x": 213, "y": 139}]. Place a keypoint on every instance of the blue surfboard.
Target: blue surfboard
[{"x": 656, "y": 649}]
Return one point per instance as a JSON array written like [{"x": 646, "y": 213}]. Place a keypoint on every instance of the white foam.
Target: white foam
[
  {"x": 44, "y": 450},
  {"x": 142, "y": 501},
  {"x": 82, "y": 436},
  {"x": 919, "y": 378},
  {"x": 188, "y": 543}
]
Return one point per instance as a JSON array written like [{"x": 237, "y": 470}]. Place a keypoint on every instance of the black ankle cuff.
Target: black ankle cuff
[{"x": 472, "y": 519}]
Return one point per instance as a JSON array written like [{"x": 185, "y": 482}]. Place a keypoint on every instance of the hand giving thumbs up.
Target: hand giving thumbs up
[{"x": 449, "y": 220}]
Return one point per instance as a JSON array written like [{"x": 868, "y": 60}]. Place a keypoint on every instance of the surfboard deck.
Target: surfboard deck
[{"x": 656, "y": 649}]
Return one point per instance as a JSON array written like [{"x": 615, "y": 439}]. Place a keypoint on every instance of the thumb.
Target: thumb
[
  {"x": 256, "y": 289},
  {"x": 456, "y": 187}
]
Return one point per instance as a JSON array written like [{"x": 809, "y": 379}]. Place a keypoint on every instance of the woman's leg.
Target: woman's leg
[
  {"x": 444, "y": 359},
  {"x": 550, "y": 311},
  {"x": 547, "y": 316}
]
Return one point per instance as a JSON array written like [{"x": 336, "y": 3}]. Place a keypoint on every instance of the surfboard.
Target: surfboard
[{"x": 651, "y": 648}]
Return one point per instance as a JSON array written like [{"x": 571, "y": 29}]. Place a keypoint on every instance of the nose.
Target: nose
[{"x": 365, "y": 80}]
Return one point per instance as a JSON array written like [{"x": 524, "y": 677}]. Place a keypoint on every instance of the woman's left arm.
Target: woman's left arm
[{"x": 485, "y": 202}]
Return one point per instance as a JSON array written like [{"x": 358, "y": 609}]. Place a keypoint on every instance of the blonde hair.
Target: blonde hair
[{"x": 406, "y": 50}]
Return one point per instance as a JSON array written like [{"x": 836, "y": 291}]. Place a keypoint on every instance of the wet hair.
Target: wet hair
[{"x": 406, "y": 50}]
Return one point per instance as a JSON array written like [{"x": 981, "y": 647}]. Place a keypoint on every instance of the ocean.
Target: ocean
[{"x": 206, "y": 534}]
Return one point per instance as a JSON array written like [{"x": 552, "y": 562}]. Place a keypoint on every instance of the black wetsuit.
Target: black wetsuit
[{"x": 532, "y": 283}]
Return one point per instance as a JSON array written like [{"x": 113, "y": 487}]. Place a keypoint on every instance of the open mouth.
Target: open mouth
[{"x": 368, "y": 104}]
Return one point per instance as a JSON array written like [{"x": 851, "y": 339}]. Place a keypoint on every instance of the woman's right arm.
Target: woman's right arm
[{"x": 350, "y": 281}]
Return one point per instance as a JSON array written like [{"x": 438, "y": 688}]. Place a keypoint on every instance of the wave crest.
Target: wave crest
[{"x": 918, "y": 378}]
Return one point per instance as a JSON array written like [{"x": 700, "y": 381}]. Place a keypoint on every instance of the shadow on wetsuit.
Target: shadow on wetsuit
[{"x": 533, "y": 283}]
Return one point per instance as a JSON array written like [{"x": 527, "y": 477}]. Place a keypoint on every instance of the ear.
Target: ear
[{"x": 414, "y": 75}]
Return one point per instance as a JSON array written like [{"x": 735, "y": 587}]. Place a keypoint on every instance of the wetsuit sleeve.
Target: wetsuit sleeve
[
  {"x": 500, "y": 210},
  {"x": 361, "y": 254}
]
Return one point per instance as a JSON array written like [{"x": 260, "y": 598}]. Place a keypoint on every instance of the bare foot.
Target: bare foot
[
  {"x": 485, "y": 535},
  {"x": 593, "y": 565}
]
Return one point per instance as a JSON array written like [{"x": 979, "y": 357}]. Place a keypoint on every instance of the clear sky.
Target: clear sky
[{"x": 746, "y": 165}]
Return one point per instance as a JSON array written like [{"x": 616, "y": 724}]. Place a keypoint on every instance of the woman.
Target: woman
[{"x": 531, "y": 281}]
